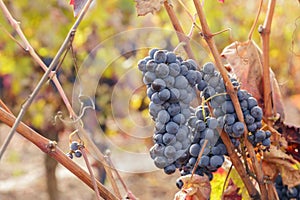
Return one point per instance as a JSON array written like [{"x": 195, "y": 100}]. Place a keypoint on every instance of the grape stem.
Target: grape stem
[
  {"x": 43, "y": 144},
  {"x": 179, "y": 31},
  {"x": 255, "y": 21},
  {"x": 269, "y": 111},
  {"x": 199, "y": 157},
  {"x": 265, "y": 31},
  {"x": 208, "y": 36},
  {"x": 88, "y": 165}
]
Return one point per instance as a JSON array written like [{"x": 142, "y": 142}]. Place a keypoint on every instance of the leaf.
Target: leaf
[
  {"x": 77, "y": 6},
  {"x": 196, "y": 187},
  {"x": 245, "y": 59},
  {"x": 292, "y": 135},
  {"x": 277, "y": 161},
  {"x": 144, "y": 7},
  {"x": 231, "y": 192}
]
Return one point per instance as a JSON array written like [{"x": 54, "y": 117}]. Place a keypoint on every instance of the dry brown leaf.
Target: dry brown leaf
[
  {"x": 194, "y": 188},
  {"x": 231, "y": 192},
  {"x": 245, "y": 59},
  {"x": 277, "y": 161},
  {"x": 144, "y": 7}
]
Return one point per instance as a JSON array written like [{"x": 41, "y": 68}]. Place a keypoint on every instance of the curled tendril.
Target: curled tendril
[{"x": 86, "y": 102}]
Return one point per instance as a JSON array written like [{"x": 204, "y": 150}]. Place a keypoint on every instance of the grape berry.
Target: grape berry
[{"x": 74, "y": 149}]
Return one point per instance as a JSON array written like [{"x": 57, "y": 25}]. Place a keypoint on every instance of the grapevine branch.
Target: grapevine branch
[
  {"x": 34, "y": 55},
  {"x": 49, "y": 73},
  {"x": 265, "y": 31},
  {"x": 52, "y": 150},
  {"x": 232, "y": 93},
  {"x": 179, "y": 31}
]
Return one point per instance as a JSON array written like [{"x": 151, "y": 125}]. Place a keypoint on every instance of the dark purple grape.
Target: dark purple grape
[
  {"x": 228, "y": 107},
  {"x": 78, "y": 153},
  {"x": 152, "y": 52},
  {"x": 257, "y": 113},
  {"x": 171, "y": 57},
  {"x": 238, "y": 129},
  {"x": 74, "y": 146},
  {"x": 160, "y": 56}
]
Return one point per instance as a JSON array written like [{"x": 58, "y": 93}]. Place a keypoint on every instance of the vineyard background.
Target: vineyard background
[{"x": 46, "y": 24}]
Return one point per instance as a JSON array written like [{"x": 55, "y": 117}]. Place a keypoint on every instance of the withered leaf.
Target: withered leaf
[
  {"x": 245, "y": 59},
  {"x": 292, "y": 135},
  {"x": 196, "y": 187},
  {"x": 144, "y": 7},
  {"x": 231, "y": 192},
  {"x": 279, "y": 161}
]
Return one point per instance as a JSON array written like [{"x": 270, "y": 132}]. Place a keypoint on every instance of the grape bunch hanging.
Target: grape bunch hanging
[{"x": 181, "y": 131}]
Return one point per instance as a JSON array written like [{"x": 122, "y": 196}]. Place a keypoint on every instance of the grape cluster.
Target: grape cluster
[
  {"x": 213, "y": 90},
  {"x": 180, "y": 130},
  {"x": 204, "y": 127},
  {"x": 170, "y": 85},
  {"x": 285, "y": 193},
  {"x": 74, "y": 149}
]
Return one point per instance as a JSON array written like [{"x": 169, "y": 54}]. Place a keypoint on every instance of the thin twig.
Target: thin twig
[
  {"x": 237, "y": 163},
  {"x": 27, "y": 47},
  {"x": 199, "y": 157},
  {"x": 226, "y": 179},
  {"x": 179, "y": 31},
  {"x": 88, "y": 165},
  {"x": 128, "y": 192},
  {"x": 265, "y": 31},
  {"x": 233, "y": 95},
  {"x": 44, "y": 144},
  {"x": 255, "y": 21},
  {"x": 100, "y": 157},
  {"x": 63, "y": 47},
  {"x": 12, "y": 37},
  {"x": 2, "y": 104}
]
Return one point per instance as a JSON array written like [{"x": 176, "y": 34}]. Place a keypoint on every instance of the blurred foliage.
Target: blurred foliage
[{"x": 46, "y": 24}]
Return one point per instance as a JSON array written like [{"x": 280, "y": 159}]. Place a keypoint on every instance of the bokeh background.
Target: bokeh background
[{"x": 107, "y": 40}]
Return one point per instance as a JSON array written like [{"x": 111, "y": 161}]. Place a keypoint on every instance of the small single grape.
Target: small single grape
[
  {"x": 160, "y": 56},
  {"x": 238, "y": 129},
  {"x": 78, "y": 153},
  {"x": 170, "y": 169},
  {"x": 74, "y": 145}
]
